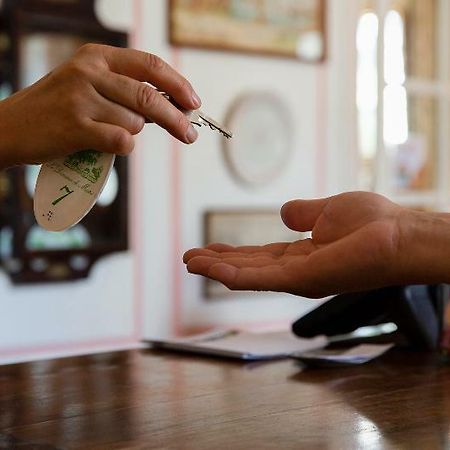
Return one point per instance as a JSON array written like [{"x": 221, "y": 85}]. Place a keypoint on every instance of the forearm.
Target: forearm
[{"x": 424, "y": 247}]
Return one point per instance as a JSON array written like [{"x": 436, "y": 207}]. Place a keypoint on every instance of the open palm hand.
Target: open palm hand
[{"x": 354, "y": 246}]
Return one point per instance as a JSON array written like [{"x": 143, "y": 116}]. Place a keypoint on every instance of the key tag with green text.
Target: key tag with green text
[{"x": 67, "y": 188}]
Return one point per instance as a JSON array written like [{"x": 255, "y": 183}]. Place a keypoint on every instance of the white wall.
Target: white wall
[
  {"x": 195, "y": 179},
  {"x": 172, "y": 185}
]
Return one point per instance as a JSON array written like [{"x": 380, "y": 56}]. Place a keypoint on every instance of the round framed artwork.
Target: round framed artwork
[{"x": 262, "y": 142}]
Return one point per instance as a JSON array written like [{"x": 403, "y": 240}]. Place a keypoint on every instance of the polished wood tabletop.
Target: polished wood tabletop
[{"x": 144, "y": 399}]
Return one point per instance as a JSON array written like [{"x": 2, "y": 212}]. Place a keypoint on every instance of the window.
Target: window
[
  {"x": 367, "y": 93},
  {"x": 402, "y": 95}
]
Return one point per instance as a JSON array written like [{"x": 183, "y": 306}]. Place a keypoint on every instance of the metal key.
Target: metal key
[{"x": 199, "y": 118}]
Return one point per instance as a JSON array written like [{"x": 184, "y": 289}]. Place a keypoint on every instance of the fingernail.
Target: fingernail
[
  {"x": 191, "y": 135},
  {"x": 196, "y": 100}
]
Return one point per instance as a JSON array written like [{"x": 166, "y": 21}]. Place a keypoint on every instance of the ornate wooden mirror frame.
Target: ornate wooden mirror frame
[{"x": 29, "y": 30}]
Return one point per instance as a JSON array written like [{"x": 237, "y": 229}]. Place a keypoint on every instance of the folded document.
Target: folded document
[
  {"x": 243, "y": 345},
  {"x": 358, "y": 354},
  {"x": 271, "y": 345}
]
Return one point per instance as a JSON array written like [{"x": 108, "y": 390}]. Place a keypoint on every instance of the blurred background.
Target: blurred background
[{"x": 323, "y": 96}]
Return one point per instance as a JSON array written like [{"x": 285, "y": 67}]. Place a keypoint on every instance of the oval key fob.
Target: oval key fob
[{"x": 67, "y": 188}]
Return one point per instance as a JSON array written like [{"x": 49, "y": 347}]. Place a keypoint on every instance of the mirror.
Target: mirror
[
  {"x": 39, "y": 53},
  {"x": 35, "y": 37}
]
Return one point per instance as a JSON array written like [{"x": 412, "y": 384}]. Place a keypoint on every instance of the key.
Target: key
[{"x": 199, "y": 118}]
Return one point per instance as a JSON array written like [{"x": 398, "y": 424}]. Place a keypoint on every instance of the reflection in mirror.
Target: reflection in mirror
[
  {"x": 31, "y": 174},
  {"x": 6, "y": 242},
  {"x": 5, "y": 186},
  {"x": 41, "y": 35},
  {"x": 111, "y": 189},
  {"x": 5, "y": 42},
  {"x": 13, "y": 265},
  {"x": 42, "y": 52},
  {"x": 58, "y": 271},
  {"x": 79, "y": 262},
  {"x": 40, "y": 239},
  {"x": 39, "y": 264},
  {"x": 5, "y": 90}
]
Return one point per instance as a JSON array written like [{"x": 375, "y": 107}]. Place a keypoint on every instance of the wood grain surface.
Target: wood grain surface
[{"x": 155, "y": 400}]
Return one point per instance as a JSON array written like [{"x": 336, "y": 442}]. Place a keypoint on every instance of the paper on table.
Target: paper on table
[
  {"x": 243, "y": 345},
  {"x": 358, "y": 354}
]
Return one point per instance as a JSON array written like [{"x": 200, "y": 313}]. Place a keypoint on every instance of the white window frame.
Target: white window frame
[{"x": 438, "y": 88}]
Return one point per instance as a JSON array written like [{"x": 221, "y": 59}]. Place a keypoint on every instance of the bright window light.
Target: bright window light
[
  {"x": 367, "y": 83},
  {"x": 395, "y": 126},
  {"x": 395, "y": 115}
]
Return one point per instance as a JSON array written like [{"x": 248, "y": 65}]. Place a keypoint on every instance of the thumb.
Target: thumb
[{"x": 301, "y": 215}]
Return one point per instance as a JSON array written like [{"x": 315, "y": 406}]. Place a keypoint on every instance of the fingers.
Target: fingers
[
  {"x": 148, "y": 102},
  {"x": 147, "y": 67},
  {"x": 301, "y": 215},
  {"x": 259, "y": 270},
  {"x": 194, "y": 252},
  {"x": 328, "y": 271},
  {"x": 223, "y": 250},
  {"x": 115, "y": 114},
  {"x": 292, "y": 274},
  {"x": 119, "y": 74},
  {"x": 218, "y": 247},
  {"x": 256, "y": 274},
  {"x": 108, "y": 138},
  {"x": 275, "y": 249},
  {"x": 200, "y": 265},
  {"x": 269, "y": 278}
]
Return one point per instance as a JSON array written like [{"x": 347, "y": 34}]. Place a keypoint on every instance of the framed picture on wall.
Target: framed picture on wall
[
  {"x": 289, "y": 28},
  {"x": 265, "y": 128},
  {"x": 243, "y": 227}
]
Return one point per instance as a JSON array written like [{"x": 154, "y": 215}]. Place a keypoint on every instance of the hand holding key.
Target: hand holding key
[
  {"x": 199, "y": 118},
  {"x": 97, "y": 99}
]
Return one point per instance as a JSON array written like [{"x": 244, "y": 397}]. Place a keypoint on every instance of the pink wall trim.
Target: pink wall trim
[
  {"x": 176, "y": 221},
  {"x": 75, "y": 346},
  {"x": 321, "y": 130},
  {"x": 136, "y": 217}
]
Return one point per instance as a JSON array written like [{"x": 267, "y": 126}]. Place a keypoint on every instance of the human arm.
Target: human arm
[
  {"x": 98, "y": 100},
  {"x": 359, "y": 241}
]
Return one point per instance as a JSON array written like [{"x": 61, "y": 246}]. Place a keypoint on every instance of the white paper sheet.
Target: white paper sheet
[
  {"x": 243, "y": 345},
  {"x": 358, "y": 354}
]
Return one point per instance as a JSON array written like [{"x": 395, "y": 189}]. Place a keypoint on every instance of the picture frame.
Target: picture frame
[
  {"x": 265, "y": 128},
  {"x": 285, "y": 28},
  {"x": 243, "y": 227}
]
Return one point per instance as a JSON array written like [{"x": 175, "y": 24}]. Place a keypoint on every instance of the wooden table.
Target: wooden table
[{"x": 148, "y": 399}]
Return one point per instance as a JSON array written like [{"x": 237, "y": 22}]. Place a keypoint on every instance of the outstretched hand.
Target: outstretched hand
[{"x": 354, "y": 246}]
